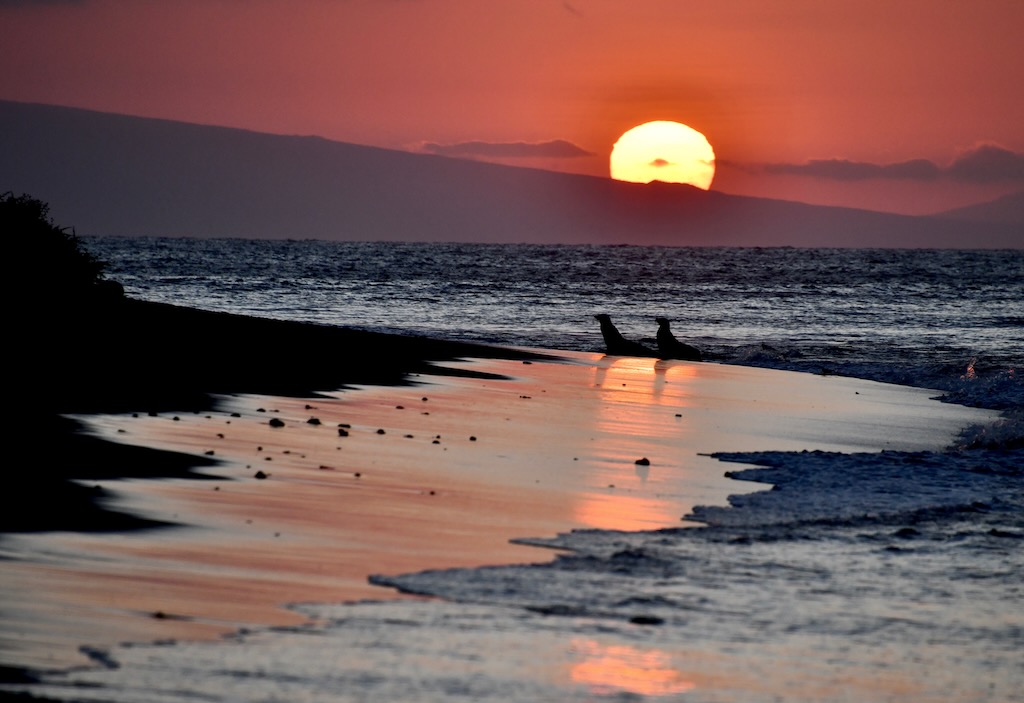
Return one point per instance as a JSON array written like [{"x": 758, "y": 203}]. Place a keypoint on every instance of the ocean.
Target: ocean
[
  {"x": 896, "y": 576},
  {"x": 888, "y": 314}
]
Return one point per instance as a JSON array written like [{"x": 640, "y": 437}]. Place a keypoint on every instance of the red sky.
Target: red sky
[{"x": 903, "y": 105}]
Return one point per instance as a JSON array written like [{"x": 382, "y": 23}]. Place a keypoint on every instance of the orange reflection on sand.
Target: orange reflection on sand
[
  {"x": 635, "y": 392},
  {"x": 607, "y": 669},
  {"x": 614, "y": 511},
  {"x": 639, "y": 413},
  {"x": 643, "y": 380}
]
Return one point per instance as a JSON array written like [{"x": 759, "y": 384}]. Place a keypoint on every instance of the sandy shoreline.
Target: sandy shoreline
[{"x": 464, "y": 464}]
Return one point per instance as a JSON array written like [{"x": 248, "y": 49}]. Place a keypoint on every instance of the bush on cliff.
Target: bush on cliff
[{"x": 49, "y": 261}]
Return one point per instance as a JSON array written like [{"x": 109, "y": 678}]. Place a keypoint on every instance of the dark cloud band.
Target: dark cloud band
[
  {"x": 844, "y": 170},
  {"x": 987, "y": 163},
  {"x": 557, "y": 149}
]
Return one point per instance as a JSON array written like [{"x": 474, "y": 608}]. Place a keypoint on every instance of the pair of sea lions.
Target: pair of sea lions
[{"x": 668, "y": 346}]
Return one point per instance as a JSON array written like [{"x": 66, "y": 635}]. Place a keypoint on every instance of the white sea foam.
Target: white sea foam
[{"x": 860, "y": 577}]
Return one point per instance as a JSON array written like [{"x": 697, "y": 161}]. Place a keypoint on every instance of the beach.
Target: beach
[
  {"x": 303, "y": 499},
  {"x": 573, "y": 352},
  {"x": 279, "y": 506}
]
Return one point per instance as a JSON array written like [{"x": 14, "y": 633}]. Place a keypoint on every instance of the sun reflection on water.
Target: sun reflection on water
[
  {"x": 608, "y": 669},
  {"x": 640, "y": 414}
]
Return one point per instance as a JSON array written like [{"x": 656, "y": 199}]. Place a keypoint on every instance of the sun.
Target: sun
[{"x": 663, "y": 151}]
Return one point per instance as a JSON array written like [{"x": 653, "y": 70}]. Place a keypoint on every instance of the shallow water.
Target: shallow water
[
  {"x": 865, "y": 578},
  {"x": 868, "y": 577}
]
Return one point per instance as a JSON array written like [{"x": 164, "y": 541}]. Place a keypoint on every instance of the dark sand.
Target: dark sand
[{"x": 133, "y": 356}]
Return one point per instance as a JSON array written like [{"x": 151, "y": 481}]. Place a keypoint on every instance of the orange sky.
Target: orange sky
[{"x": 804, "y": 100}]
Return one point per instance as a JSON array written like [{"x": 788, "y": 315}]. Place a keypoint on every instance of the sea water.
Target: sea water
[
  {"x": 858, "y": 577},
  {"x": 880, "y": 312}
]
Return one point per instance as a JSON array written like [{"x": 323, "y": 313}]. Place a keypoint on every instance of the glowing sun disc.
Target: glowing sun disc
[{"x": 663, "y": 151}]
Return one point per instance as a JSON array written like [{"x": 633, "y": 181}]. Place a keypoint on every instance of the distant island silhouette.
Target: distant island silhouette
[{"x": 132, "y": 176}]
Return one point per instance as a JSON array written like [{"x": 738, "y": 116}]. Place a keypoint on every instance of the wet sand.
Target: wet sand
[{"x": 440, "y": 473}]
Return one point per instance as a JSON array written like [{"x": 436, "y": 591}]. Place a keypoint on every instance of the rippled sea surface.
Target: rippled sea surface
[
  {"x": 888, "y": 306},
  {"x": 860, "y": 577}
]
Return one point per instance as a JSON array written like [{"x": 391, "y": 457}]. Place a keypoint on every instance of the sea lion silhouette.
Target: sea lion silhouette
[
  {"x": 617, "y": 345},
  {"x": 671, "y": 348}
]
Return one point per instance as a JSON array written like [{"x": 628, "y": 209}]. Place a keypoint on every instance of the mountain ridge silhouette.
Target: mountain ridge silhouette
[{"x": 110, "y": 174}]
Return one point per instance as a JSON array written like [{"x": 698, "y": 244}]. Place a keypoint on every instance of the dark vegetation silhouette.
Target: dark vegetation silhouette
[
  {"x": 57, "y": 288},
  {"x": 49, "y": 258}
]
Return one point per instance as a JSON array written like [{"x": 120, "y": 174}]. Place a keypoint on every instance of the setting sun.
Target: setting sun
[{"x": 663, "y": 151}]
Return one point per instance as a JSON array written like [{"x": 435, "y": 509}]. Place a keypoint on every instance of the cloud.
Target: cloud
[
  {"x": 571, "y": 9},
  {"x": 985, "y": 163},
  {"x": 845, "y": 170},
  {"x": 557, "y": 149},
  {"x": 660, "y": 163},
  {"x": 988, "y": 163}
]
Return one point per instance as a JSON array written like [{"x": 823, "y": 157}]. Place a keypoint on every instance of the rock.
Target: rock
[{"x": 646, "y": 620}]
